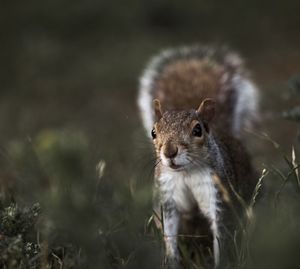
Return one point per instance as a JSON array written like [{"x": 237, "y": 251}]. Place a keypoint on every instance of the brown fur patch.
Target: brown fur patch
[
  {"x": 221, "y": 188},
  {"x": 185, "y": 83}
]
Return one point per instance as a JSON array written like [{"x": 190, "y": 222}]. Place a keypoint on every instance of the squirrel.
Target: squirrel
[{"x": 195, "y": 103}]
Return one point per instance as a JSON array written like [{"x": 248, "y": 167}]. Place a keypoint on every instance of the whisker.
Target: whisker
[
  {"x": 194, "y": 159},
  {"x": 151, "y": 173}
]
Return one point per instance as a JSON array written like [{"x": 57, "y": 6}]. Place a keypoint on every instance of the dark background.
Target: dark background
[
  {"x": 75, "y": 64},
  {"x": 68, "y": 83}
]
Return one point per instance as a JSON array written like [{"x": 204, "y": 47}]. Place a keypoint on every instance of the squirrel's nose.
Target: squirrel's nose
[{"x": 170, "y": 150}]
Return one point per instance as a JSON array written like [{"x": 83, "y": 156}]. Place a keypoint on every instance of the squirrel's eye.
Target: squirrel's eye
[
  {"x": 153, "y": 134},
  {"x": 197, "y": 131}
]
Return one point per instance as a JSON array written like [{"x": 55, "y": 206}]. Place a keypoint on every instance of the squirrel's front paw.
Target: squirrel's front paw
[{"x": 172, "y": 262}]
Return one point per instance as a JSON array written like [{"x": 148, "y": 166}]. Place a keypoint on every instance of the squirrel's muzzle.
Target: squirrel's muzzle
[{"x": 170, "y": 150}]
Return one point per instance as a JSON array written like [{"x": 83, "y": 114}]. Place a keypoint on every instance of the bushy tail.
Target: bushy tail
[{"x": 236, "y": 90}]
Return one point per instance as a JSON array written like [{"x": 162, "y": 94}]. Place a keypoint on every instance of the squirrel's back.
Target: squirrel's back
[{"x": 182, "y": 78}]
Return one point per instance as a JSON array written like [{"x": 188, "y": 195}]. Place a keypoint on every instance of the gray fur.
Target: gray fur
[
  {"x": 236, "y": 82},
  {"x": 202, "y": 159}
]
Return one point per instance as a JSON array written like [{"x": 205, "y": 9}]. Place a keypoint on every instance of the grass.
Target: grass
[
  {"x": 62, "y": 207},
  {"x": 82, "y": 220},
  {"x": 58, "y": 214},
  {"x": 75, "y": 171}
]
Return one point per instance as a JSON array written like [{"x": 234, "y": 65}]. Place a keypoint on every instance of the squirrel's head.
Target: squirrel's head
[{"x": 181, "y": 137}]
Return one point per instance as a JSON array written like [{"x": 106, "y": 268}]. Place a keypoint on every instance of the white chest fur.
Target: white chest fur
[{"x": 187, "y": 189}]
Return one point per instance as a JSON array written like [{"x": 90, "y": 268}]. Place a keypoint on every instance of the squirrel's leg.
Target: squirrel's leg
[
  {"x": 206, "y": 197},
  {"x": 215, "y": 243},
  {"x": 215, "y": 233},
  {"x": 170, "y": 228}
]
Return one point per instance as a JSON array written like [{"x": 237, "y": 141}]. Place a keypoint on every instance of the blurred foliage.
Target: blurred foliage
[
  {"x": 86, "y": 220},
  {"x": 294, "y": 112},
  {"x": 20, "y": 245},
  {"x": 17, "y": 232},
  {"x": 294, "y": 84},
  {"x": 70, "y": 137}
]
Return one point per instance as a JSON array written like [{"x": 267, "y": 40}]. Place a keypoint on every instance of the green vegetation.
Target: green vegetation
[
  {"x": 75, "y": 166},
  {"x": 82, "y": 220},
  {"x": 59, "y": 209}
]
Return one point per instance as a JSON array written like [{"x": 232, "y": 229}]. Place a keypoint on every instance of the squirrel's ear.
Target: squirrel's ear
[
  {"x": 157, "y": 109},
  {"x": 207, "y": 109}
]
